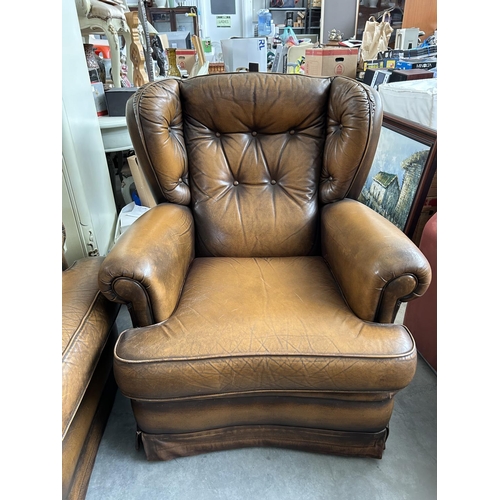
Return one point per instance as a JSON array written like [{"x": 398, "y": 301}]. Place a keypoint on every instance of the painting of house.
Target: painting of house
[
  {"x": 394, "y": 178},
  {"x": 383, "y": 193}
]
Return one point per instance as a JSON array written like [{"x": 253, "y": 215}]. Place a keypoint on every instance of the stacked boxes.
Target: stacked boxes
[{"x": 331, "y": 61}]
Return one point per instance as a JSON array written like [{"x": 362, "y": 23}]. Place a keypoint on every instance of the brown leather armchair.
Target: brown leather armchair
[
  {"x": 88, "y": 387},
  {"x": 263, "y": 294}
]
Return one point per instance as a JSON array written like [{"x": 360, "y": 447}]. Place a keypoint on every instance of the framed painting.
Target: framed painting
[{"x": 402, "y": 171}]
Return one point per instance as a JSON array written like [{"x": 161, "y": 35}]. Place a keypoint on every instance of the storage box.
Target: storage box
[
  {"x": 331, "y": 61},
  {"x": 99, "y": 98},
  {"x": 415, "y": 100},
  {"x": 417, "y": 64},
  {"x": 116, "y": 99},
  {"x": 185, "y": 59},
  {"x": 386, "y": 62},
  {"x": 239, "y": 52},
  {"x": 401, "y": 75}
]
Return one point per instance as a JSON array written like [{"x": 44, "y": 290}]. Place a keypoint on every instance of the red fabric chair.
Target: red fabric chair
[{"x": 421, "y": 314}]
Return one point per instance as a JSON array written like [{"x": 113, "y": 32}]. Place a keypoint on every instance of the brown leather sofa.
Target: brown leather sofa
[
  {"x": 263, "y": 295},
  {"x": 88, "y": 385}
]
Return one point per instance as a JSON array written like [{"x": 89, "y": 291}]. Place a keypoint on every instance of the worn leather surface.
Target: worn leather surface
[
  {"x": 373, "y": 262},
  {"x": 255, "y": 182},
  {"x": 149, "y": 266},
  {"x": 168, "y": 447},
  {"x": 275, "y": 156},
  {"x": 87, "y": 346},
  {"x": 262, "y": 292},
  {"x": 258, "y": 325},
  {"x": 348, "y": 411},
  {"x": 87, "y": 318}
]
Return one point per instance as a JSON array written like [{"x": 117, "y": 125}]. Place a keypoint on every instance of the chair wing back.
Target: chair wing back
[{"x": 255, "y": 155}]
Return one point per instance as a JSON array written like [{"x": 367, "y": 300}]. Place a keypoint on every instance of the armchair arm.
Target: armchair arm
[
  {"x": 147, "y": 267},
  {"x": 375, "y": 264}
]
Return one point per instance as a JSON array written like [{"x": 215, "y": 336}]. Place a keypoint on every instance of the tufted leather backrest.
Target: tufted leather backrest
[{"x": 255, "y": 155}]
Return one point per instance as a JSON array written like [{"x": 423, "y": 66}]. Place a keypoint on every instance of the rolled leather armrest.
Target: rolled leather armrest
[
  {"x": 374, "y": 263},
  {"x": 147, "y": 267}
]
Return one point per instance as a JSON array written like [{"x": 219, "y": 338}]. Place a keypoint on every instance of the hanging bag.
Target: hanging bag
[
  {"x": 289, "y": 37},
  {"x": 376, "y": 37}
]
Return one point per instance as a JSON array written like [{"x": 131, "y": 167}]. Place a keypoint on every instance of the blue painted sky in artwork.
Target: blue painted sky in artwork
[{"x": 392, "y": 149}]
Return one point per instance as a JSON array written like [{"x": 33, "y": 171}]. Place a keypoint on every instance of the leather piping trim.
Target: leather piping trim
[
  {"x": 269, "y": 355},
  {"x": 400, "y": 299},
  {"x": 80, "y": 326},
  {"x": 270, "y": 393},
  {"x": 144, "y": 290}
]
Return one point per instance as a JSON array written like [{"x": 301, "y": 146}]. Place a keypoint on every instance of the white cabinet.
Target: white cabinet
[
  {"x": 341, "y": 15},
  {"x": 88, "y": 206}
]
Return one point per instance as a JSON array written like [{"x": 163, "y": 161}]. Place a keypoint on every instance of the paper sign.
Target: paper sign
[{"x": 223, "y": 21}]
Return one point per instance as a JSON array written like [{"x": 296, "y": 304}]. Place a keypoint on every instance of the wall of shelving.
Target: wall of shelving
[{"x": 312, "y": 19}]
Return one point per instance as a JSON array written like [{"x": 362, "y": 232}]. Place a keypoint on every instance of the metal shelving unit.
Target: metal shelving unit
[{"x": 312, "y": 20}]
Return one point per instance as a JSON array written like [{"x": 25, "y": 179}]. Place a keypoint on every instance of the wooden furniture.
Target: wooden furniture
[
  {"x": 421, "y": 14},
  {"x": 136, "y": 51},
  {"x": 97, "y": 17},
  {"x": 365, "y": 12},
  {"x": 173, "y": 19}
]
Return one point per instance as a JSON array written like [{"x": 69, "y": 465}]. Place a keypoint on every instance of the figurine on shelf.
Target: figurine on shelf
[
  {"x": 125, "y": 82},
  {"x": 158, "y": 54},
  {"x": 335, "y": 36}
]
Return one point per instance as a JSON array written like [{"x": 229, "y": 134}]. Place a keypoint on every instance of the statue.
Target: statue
[
  {"x": 125, "y": 82},
  {"x": 158, "y": 53},
  {"x": 335, "y": 35}
]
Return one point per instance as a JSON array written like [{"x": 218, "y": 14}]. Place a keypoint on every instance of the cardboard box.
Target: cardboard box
[
  {"x": 417, "y": 64},
  {"x": 142, "y": 185},
  {"x": 99, "y": 98},
  {"x": 331, "y": 61},
  {"x": 185, "y": 59},
  {"x": 239, "y": 52},
  {"x": 386, "y": 62}
]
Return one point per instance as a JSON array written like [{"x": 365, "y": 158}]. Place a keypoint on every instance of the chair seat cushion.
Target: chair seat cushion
[{"x": 250, "y": 325}]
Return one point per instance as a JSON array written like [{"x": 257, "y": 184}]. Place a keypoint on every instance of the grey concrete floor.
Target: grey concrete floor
[{"x": 407, "y": 471}]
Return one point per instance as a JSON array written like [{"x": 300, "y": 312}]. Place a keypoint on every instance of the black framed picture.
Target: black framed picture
[{"x": 402, "y": 171}]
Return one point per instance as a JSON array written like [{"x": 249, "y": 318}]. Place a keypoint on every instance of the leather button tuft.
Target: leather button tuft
[
  {"x": 330, "y": 178},
  {"x": 180, "y": 180},
  {"x": 235, "y": 183},
  {"x": 217, "y": 134},
  {"x": 292, "y": 132},
  {"x": 254, "y": 133},
  {"x": 273, "y": 182}
]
